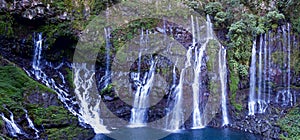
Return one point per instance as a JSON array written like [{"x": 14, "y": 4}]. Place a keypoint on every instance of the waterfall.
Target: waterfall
[
  {"x": 49, "y": 81},
  {"x": 11, "y": 125},
  {"x": 88, "y": 113},
  {"x": 269, "y": 67},
  {"x": 287, "y": 96},
  {"x": 223, "y": 79},
  {"x": 177, "y": 113},
  {"x": 259, "y": 92},
  {"x": 107, "y": 63},
  {"x": 31, "y": 125},
  {"x": 289, "y": 66},
  {"x": 197, "y": 120},
  {"x": 37, "y": 56},
  {"x": 143, "y": 88},
  {"x": 88, "y": 102},
  {"x": 284, "y": 47},
  {"x": 144, "y": 85},
  {"x": 265, "y": 69},
  {"x": 251, "y": 102}
]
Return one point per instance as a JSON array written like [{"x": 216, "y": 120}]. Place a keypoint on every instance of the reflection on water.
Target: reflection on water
[{"x": 195, "y": 134}]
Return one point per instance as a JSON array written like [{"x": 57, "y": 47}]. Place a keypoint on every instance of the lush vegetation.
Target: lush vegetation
[
  {"x": 16, "y": 86},
  {"x": 291, "y": 124},
  {"x": 240, "y": 22}
]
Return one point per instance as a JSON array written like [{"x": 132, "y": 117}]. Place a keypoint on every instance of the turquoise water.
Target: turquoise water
[{"x": 196, "y": 134}]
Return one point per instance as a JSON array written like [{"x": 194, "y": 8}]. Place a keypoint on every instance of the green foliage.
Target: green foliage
[
  {"x": 221, "y": 19},
  {"x": 51, "y": 115},
  {"x": 233, "y": 85},
  {"x": 240, "y": 34},
  {"x": 291, "y": 124},
  {"x": 1, "y": 123},
  {"x": 69, "y": 77},
  {"x": 296, "y": 24},
  {"x": 68, "y": 133},
  {"x": 99, "y": 5},
  {"x": 53, "y": 30},
  {"x": 13, "y": 83},
  {"x": 213, "y": 8},
  {"x": 131, "y": 30},
  {"x": 106, "y": 90},
  {"x": 273, "y": 18},
  {"x": 6, "y": 25}
]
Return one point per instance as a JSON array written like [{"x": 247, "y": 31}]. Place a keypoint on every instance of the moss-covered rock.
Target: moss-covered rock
[
  {"x": 19, "y": 92},
  {"x": 291, "y": 124}
]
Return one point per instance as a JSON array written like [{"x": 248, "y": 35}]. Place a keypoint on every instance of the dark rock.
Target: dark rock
[{"x": 45, "y": 99}]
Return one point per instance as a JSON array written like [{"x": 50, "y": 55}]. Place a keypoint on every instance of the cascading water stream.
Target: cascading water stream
[
  {"x": 177, "y": 113},
  {"x": 37, "y": 56},
  {"x": 265, "y": 69},
  {"x": 107, "y": 63},
  {"x": 223, "y": 79},
  {"x": 31, "y": 125},
  {"x": 89, "y": 103},
  {"x": 144, "y": 85},
  {"x": 269, "y": 67},
  {"x": 284, "y": 48},
  {"x": 286, "y": 94},
  {"x": 197, "y": 120},
  {"x": 251, "y": 102},
  {"x": 289, "y": 66},
  {"x": 88, "y": 113},
  {"x": 259, "y": 92},
  {"x": 39, "y": 74},
  {"x": 11, "y": 125}
]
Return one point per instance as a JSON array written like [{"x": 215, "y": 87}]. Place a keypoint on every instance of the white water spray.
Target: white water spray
[
  {"x": 251, "y": 102},
  {"x": 223, "y": 79}
]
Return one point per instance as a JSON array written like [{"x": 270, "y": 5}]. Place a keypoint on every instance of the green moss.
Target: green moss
[
  {"x": 279, "y": 56},
  {"x": 13, "y": 83},
  {"x": 295, "y": 63},
  {"x": 68, "y": 133},
  {"x": 213, "y": 53},
  {"x": 55, "y": 115},
  {"x": 1, "y": 123},
  {"x": 213, "y": 87},
  {"x": 69, "y": 77},
  {"x": 296, "y": 24},
  {"x": 107, "y": 90},
  {"x": 213, "y": 8},
  {"x": 54, "y": 30},
  {"x": 233, "y": 85},
  {"x": 132, "y": 29},
  {"x": 291, "y": 124},
  {"x": 6, "y": 25}
]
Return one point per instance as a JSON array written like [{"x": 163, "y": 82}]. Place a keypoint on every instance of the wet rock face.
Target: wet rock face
[
  {"x": 265, "y": 124},
  {"x": 45, "y": 99},
  {"x": 31, "y": 10}
]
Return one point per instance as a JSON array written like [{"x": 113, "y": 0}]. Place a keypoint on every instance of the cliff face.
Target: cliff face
[{"x": 236, "y": 24}]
